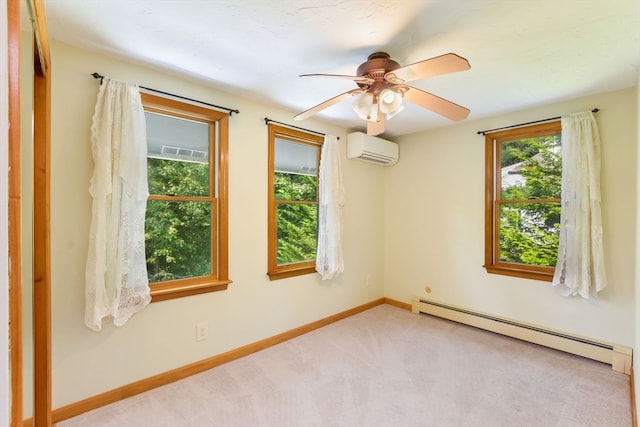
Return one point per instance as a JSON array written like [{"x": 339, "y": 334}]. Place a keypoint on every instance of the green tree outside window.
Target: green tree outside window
[{"x": 529, "y": 208}]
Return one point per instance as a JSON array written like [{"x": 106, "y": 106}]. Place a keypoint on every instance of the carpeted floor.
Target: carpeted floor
[{"x": 387, "y": 367}]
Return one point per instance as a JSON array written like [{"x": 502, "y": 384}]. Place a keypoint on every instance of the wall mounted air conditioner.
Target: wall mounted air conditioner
[{"x": 361, "y": 146}]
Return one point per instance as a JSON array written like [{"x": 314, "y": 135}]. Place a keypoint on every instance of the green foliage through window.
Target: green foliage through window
[
  {"x": 171, "y": 177},
  {"x": 529, "y": 205},
  {"x": 297, "y": 222},
  {"x": 178, "y": 233},
  {"x": 529, "y": 233}
]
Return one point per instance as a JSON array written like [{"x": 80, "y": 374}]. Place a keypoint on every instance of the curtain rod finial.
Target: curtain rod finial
[{"x": 98, "y": 76}]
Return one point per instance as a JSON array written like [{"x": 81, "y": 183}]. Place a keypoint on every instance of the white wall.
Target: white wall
[
  {"x": 5, "y": 370},
  {"x": 434, "y": 224},
  {"x": 162, "y": 337}
]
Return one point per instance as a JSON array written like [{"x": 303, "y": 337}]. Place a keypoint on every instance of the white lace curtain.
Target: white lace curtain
[
  {"x": 116, "y": 272},
  {"x": 329, "y": 262},
  {"x": 580, "y": 267}
]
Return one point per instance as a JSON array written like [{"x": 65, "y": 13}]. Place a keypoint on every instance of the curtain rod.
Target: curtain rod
[
  {"x": 267, "y": 120},
  {"x": 484, "y": 132},
  {"x": 230, "y": 110}
]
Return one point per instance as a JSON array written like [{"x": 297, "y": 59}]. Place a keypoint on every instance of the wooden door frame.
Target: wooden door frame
[
  {"x": 41, "y": 218},
  {"x": 41, "y": 246},
  {"x": 41, "y": 215},
  {"x": 15, "y": 213}
]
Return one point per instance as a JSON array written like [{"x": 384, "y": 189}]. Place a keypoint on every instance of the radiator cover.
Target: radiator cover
[{"x": 619, "y": 357}]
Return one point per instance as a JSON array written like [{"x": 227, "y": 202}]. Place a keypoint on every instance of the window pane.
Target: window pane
[
  {"x": 296, "y": 168},
  {"x": 178, "y": 178},
  {"x": 295, "y": 187},
  {"x": 176, "y": 138},
  {"x": 178, "y": 151},
  {"x": 178, "y": 239},
  {"x": 297, "y": 232},
  {"x": 531, "y": 168},
  {"x": 529, "y": 233}
]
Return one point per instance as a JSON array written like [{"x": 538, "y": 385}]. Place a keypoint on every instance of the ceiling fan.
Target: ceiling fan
[{"x": 382, "y": 87}]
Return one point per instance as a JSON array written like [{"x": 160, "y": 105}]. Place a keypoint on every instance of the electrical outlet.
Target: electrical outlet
[{"x": 202, "y": 331}]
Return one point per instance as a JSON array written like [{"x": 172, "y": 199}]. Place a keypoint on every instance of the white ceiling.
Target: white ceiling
[{"x": 523, "y": 53}]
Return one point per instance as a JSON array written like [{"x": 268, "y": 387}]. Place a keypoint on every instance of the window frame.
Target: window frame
[
  {"x": 218, "y": 280},
  {"x": 275, "y": 271},
  {"x": 492, "y": 261}
]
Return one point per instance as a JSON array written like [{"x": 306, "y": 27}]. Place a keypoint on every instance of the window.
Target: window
[
  {"x": 294, "y": 159},
  {"x": 522, "y": 202},
  {"x": 186, "y": 220}
]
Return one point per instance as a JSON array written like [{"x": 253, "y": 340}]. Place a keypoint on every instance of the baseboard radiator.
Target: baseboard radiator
[{"x": 619, "y": 357}]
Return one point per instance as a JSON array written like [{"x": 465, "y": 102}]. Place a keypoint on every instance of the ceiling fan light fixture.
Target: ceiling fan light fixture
[
  {"x": 365, "y": 108},
  {"x": 393, "y": 113},
  {"x": 390, "y": 102},
  {"x": 382, "y": 86}
]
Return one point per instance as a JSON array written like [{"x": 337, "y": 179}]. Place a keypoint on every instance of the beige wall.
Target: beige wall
[
  {"x": 162, "y": 337},
  {"x": 434, "y": 224}
]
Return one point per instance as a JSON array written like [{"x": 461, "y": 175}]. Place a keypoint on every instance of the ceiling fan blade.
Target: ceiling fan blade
[
  {"x": 436, "y": 104},
  {"x": 443, "y": 64},
  {"x": 328, "y": 103},
  {"x": 376, "y": 128},
  {"x": 357, "y": 79}
]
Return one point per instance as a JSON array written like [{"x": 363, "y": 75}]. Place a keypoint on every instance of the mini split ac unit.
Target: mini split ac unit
[{"x": 361, "y": 146}]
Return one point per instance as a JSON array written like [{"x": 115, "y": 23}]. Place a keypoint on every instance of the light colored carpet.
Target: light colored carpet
[{"x": 387, "y": 367}]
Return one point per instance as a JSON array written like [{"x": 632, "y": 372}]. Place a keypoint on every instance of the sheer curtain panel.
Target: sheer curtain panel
[
  {"x": 116, "y": 272},
  {"x": 329, "y": 261},
  {"x": 580, "y": 267}
]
